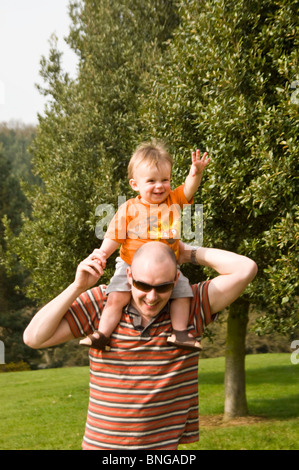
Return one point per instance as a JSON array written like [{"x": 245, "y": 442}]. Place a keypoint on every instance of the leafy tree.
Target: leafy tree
[
  {"x": 86, "y": 136},
  {"x": 16, "y": 138},
  {"x": 14, "y": 307},
  {"x": 224, "y": 84}
]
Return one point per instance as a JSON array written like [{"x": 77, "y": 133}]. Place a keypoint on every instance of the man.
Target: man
[{"x": 143, "y": 392}]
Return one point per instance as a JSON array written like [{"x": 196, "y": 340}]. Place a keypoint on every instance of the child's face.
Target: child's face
[{"x": 152, "y": 183}]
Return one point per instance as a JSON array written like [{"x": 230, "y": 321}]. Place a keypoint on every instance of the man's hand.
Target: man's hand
[
  {"x": 90, "y": 270},
  {"x": 184, "y": 253},
  {"x": 198, "y": 164}
]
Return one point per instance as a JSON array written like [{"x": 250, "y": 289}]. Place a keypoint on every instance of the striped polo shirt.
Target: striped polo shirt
[{"x": 143, "y": 392}]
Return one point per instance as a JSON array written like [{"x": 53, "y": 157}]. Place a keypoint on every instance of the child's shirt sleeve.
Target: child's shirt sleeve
[{"x": 179, "y": 195}]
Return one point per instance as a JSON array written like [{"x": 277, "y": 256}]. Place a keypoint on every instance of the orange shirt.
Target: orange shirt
[{"x": 136, "y": 223}]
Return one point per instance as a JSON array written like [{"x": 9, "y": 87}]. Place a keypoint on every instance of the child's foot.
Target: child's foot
[
  {"x": 96, "y": 341},
  {"x": 184, "y": 339}
]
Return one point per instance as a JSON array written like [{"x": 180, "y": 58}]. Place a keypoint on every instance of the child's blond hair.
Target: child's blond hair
[{"x": 152, "y": 153}]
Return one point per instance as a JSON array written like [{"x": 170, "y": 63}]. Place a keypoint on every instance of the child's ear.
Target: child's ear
[{"x": 133, "y": 184}]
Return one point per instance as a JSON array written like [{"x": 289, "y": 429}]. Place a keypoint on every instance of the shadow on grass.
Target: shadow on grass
[
  {"x": 277, "y": 375},
  {"x": 286, "y": 374},
  {"x": 271, "y": 391},
  {"x": 276, "y": 408}
]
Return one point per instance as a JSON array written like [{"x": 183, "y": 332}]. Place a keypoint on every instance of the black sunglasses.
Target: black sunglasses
[{"x": 159, "y": 288}]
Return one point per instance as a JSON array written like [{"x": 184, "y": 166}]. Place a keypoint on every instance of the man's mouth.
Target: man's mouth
[{"x": 150, "y": 304}]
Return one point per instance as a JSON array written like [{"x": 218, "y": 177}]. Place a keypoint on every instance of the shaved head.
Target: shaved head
[{"x": 154, "y": 253}]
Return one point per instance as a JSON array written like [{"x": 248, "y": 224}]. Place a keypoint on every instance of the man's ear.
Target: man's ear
[
  {"x": 177, "y": 276},
  {"x": 133, "y": 184},
  {"x": 129, "y": 275}
]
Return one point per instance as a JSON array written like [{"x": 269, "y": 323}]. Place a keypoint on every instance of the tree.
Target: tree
[
  {"x": 86, "y": 137},
  {"x": 224, "y": 84},
  {"x": 14, "y": 307}
]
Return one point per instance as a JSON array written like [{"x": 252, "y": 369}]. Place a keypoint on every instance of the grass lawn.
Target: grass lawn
[{"x": 47, "y": 409}]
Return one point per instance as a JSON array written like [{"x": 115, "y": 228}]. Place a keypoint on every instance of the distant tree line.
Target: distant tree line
[{"x": 15, "y": 308}]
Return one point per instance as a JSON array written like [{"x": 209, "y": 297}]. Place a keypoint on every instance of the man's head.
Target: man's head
[{"x": 153, "y": 265}]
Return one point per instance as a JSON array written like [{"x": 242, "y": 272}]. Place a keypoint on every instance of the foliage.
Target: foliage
[
  {"x": 14, "y": 367},
  {"x": 85, "y": 139},
  {"x": 224, "y": 85},
  {"x": 15, "y": 170}
]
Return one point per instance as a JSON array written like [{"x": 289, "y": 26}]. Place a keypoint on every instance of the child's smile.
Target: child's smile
[{"x": 152, "y": 183}]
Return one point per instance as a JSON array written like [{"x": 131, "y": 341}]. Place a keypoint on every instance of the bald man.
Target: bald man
[{"x": 143, "y": 391}]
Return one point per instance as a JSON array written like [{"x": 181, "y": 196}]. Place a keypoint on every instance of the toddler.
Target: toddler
[{"x": 153, "y": 215}]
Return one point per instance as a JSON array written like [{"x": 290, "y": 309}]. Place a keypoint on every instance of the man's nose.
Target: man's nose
[{"x": 151, "y": 295}]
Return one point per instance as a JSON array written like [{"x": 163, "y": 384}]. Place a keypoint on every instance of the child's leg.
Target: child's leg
[
  {"x": 179, "y": 314},
  {"x": 110, "y": 318}
]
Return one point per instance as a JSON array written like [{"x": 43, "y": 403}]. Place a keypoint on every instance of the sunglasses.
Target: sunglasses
[{"x": 159, "y": 288}]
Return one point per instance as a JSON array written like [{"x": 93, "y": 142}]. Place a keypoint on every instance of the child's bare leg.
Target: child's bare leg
[
  {"x": 110, "y": 318},
  {"x": 179, "y": 314}
]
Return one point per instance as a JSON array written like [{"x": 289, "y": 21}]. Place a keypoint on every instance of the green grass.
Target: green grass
[
  {"x": 43, "y": 409},
  {"x": 47, "y": 409}
]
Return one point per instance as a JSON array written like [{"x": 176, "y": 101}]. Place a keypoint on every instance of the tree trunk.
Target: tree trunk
[{"x": 235, "y": 388}]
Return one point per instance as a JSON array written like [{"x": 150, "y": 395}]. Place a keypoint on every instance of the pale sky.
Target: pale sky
[{"x": 25, "y": 30}]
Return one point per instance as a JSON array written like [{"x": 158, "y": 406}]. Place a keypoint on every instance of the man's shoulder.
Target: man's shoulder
[
  {"x": 97, "y": 293},
  {"x": 200, "y": 286}
]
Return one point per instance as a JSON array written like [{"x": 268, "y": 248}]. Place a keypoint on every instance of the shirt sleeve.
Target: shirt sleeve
[
  {"x": 84, "y": 314},
  {"x": 200, "y": 307},
  {"x": 179, "y": 195}
]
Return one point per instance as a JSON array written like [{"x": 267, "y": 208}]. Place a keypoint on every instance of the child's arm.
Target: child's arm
[
  {"x": 193, "y": 180},
  {"x": 107, "y": 248}
]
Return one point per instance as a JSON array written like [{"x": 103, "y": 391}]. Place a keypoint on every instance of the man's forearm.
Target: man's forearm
[
  {"x": 48, "y": 327},
  {"x": 235, "y": 273},
  {"x": 45, "y": 323},
  {"x": 222, "y": 261}
]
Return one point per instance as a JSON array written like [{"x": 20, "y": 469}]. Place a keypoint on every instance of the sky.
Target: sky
[{"x": 25, "y": 29}]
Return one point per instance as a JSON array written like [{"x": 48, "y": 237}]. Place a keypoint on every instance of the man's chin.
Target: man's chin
[{"x": 152, "y": 310}]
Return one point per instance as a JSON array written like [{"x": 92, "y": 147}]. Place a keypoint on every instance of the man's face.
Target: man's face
[{"x": 150, "y": 303}]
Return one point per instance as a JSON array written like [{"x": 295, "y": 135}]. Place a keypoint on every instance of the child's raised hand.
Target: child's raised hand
[{"x": 198, "y": 164}]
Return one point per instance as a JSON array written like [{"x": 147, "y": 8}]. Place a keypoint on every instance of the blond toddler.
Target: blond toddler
[{"x": 153, "y": 215}]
